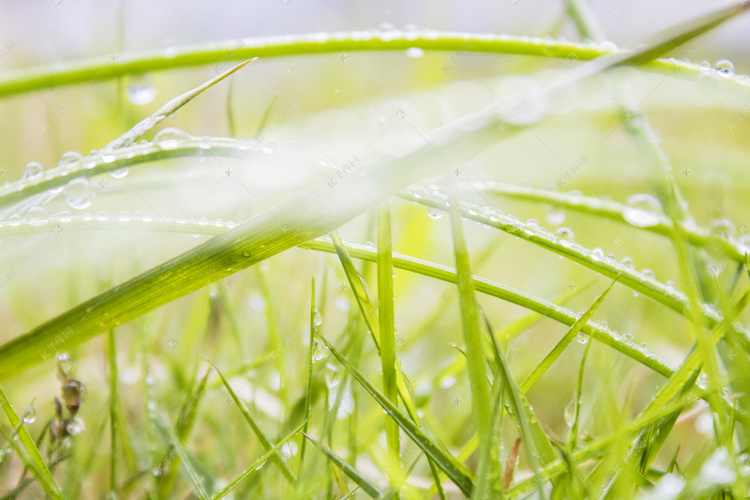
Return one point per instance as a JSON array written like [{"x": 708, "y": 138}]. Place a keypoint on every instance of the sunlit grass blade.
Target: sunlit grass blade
[
  {"x": 365, "y": 484},
  {"x": 477, "y": 368},
  {"x": 264, "y": 441},
  {"x": 32, "y": 459},
  {"x": 163, "y": 424},
  {"x": 454, "y": 470},
  {"x": 386, "y": 323},
  {"x": 563, "y": 344},
  {"x": 257, "y": 464},
  {"x": 577, "y": 402},
  {"x": 113, "y": 408},
  {"x": 308, "y": 391},
  {"x": 489, "y": 460}
]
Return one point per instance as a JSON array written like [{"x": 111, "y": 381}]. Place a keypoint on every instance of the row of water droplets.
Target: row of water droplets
[
  {"x": 80, "y": 192},
  {"x": 434, "y": 197}
]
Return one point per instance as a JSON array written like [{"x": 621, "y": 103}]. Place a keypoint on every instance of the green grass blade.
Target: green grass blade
[
  {"x": 453, "y": 469},
  {"x": 563, "y": 344},
  {"x": 113, "y": 408},
  {"x": 168, "y": 109},
  {"x": 34, "y": 460},
  {"x": 387, "y": 335},
  {"x": 163, "y": 424},
  {"x": 308, "y": 391},
  {"x": 489, "y": 467},
  {"x": 480, "y": 400},
  {"x": 365, "y": 484},
  {"x": 577, "y": 402},
  {"x": 258, "y": 463},
  {"x": 264, "y": 441}
]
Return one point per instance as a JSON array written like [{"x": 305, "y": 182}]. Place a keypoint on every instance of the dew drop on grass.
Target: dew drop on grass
[
  {"x": 75, "y": 427},
  {"x": 29, "y": 416},
  {"x": 65, "y": 362},
  {"x": 414, "y": 52},
  {"x": 648, "y": 274},
  {"x": 119, "y": 173},
  {"x": 270, "y": 146},
  {"x": 15, "y": 220},
  {"x": 555, "y": 216},
  {"x": 288, "y": 450},
  {"x": 627, "y": 263},
  {"x": 69, "y": 157},
  {"x": 569, "y": 413},
  {"x": 643, "y": 210},
  {"x": 170, "y": 137},
  {"x": 582, "y": 338},
  {"x": 32, "y": 170},
  {"x": 37, "y": 217},
  {"x": 156, "y": 472},
  {"x": 141, "y": 92},
  {"x": 725, "y": 67},
  {"x": 317, "y": 318},
  {"x": 332, "y": 375},
  {"x": 79, "y": 193},
  {"x": 435, "y": 214},
  {"x": 317, "y": 350},
  {"x": 597, "y": 254},
  {"x": 565, "y": 235}
]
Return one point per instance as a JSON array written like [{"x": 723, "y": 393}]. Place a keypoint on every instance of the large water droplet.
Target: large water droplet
[
  {"x": 414, "y": 52},
  {"x": 288, "y": 450},
  {"x": 79, "y": 193},
  {"x": 119, "y": 173},
  {"x": 69, "y": 157},
  {"x": 643, "y": 210},
  {"x": 555, "y": 216},
  {"x": 317, "y": 318},
  {"x": 317, "y": 351},
  {"x": 725, "y": 67},
  {"x": 32, "y": 170},
  {"x": 37, "y": 217},
  {"x": 170, "y": 137}
]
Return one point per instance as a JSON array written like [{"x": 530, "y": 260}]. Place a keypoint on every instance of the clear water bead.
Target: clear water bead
[
  {"x": 79, "y": 193},
  {"x": 643, "y": 210},
  {"x": 317, "y": 351},
  {"x": 32, "y": 170}
]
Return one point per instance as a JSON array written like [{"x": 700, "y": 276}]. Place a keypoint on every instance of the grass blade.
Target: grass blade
[
  {"x": 264, "y": 441},
  {"x": 258, "y": 463},
  {"x": 365, "y": 484},
  {"x": 33, "y": 460},
  {"x": 308, "y": 391},
  {"x": 563, "y": 344},
  {"x": 113, "y": 409},
  {"x": 453, "y": 469}
]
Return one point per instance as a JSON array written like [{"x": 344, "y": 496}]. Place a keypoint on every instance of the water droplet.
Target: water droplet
[
  {"x": 37, "y": 217},
  {"x": 597, "y": 254},
  {"x": 79, "y": 193},
  {"x": 141, "y": 92},
  {"x": 555, "y": 216},
  {"x": 370, "y": 245},
  {"x": 332, "y": 375},
  {"x": 643, "y": 210},
  {"x": 75, "y": 427},
  {"x": 414, "y": 52},
  {"x": 119, "y": 173},
  {"x": 65, "y": 362},
  {"x": 69, "y": 157},
  {"x": 725, "y": 67},
  {"x": 569, "y": 413},
  {"x": 270, "y": 146},
  {"x": 317, "y": 318},
  {"x": 29, "y": 417},
  {"x": 317, "y": 351},
  {"x": 448, "y": 382},
  {"x": 32, "y": 170},
  {"x": 435, "y": 214},
  {"x": 170, "y": 137},
  {"x": 627, "y": 263},
  {"x": 288, "y": 450},
  {"x": 582, "y": 338},
  {"x": 565, "y": 235},
  {"x": 648, "y": 274},
  {"x": 156, "y": 472}
]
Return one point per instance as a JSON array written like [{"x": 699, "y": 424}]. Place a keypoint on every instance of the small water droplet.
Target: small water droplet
[
  {"x": 435, "y": 214},
  {"x": 643, "y": 210},
  {"x": 141, "y": 92},
  {"x": 555, "y": 216},
  {"x": 565, "y": 235},
  {"x": 270, "y": 146},
  {"x": 317, "y": 319},
  {"x": 288, "y": 450},
  {"x": 119, "y": 173},
  {"x": 627, "y": 263},
  {"x": 582, "y": 338},
  {"x": 69, "y": 157},
  {"x": 29, "y": 416},
  {"x": 317, "y": 351},
  {"x": 156, "y": 472},
  {"x": 65, "y": 362},
  {"x": 597, "y": 254},
  {"x": 722, "y": 228},
  {"x": 648, "y": 274},
  {"x": 725, "y": 67},
  {"x": 37, "y": 217},
  {"x": 414, "y": 52},
  {"x": 32, "y": 170}
]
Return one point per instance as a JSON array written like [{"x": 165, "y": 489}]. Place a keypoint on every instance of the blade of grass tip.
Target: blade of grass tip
[
  {"x": 470, "y": 326},
  {"x": 577, "y": 403},
  {"x": 386, "y": 316},
  {"x": 169, "y": 108},
  {"x": 266, "y": 116},
  {"x": 357, "y": 284},
  {"x": 556, "y": 351},
  {"x": 308, "y": 391},
  {"x": 113, "y": 400},
  {"x": 264, "y": 441},
  {"x": 35, "y": 461},
  {"x": 185, "y": 423},
  {"x": 365, "y": 484},
  {"x": 258, "y": 463},
  {"x": 343, "y": 488},
  {"x": 535, "y": 440},
  {"x": 454, "y": 470},
  {"x": 231, "y": 119}
]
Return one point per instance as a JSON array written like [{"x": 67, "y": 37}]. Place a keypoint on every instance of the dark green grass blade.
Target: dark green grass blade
[
  {"x": 365, "y": 484},
  {"x": 29, "y": 452},
  {"x": 452, "y": 468}
]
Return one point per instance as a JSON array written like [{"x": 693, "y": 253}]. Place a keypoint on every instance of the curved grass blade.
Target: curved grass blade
[
  {"x": 258, "y": 463},
  {"x": 365, "y": 484},
  {"x": 564, "y": 342},
  {"x": 264, "y": 441},
  {"x": 453, "y": 469},
  {"x": 165, "y": 427},
  {"x": 26, "y": 447}
]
